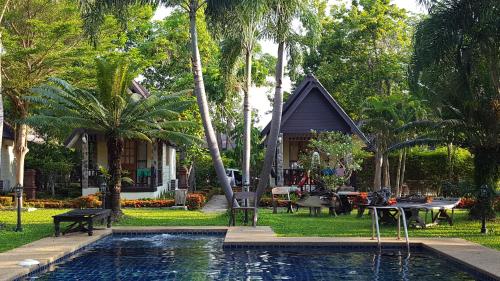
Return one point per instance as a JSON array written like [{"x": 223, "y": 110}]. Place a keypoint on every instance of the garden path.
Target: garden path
[{"x": 217, "y": 203}]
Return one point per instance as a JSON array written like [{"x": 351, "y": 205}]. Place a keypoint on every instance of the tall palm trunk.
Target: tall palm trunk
[
  {"x": 403, "y": 171},
  {"x": 272, "y": 138},
  {"x": 247, "y": 122},
  {"x": 386, "y": 170},
  {"x": 1, "y": 85},
  {"x": 201, "y": 97},
  {"x": 398, "y": 174},
  {"x": 115, "y": 151},
  {"x": 377, "y": 180}
]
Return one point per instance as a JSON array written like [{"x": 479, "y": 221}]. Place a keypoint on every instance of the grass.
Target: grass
[{"x": 38, "y": 224}]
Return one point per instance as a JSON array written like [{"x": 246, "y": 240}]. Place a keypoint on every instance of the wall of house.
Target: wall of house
[
  {"x": 286, "y": 153},
  {"x": 8, "y": 174},
  {"x": 102, "y": 152}
]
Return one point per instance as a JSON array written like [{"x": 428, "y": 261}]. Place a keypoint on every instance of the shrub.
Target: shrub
[
  {"x": 268, "y": 202},
  {"x": 89, "y": 201},
  {"x": 429, "y": 167},
  {"x": 195, "y": 201},
  {"x": 154, "y": 203},
  {"x": 466, "y": 203},
  {"x": 6, "y": 201}
]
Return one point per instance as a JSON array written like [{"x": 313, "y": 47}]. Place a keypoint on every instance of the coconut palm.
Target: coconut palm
[
  {"x": 456, "y": 66},
  {"x": 112, "y": 111},
  {"x": 281, "y": 14},
  {"x": 4, "y": 8},
  {"x": 240, "y": 25},
  {"x": 93, "y": 13}
]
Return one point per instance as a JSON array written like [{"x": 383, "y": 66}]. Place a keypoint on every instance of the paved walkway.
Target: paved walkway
[{"x": 217, "y": 203}]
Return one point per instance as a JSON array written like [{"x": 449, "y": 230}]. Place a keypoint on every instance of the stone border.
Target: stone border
[
  {"x": 47, "y": 251},
  {"x": 51, "y": 250}
]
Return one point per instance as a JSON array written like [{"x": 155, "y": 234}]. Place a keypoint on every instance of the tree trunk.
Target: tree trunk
[
  {"x": 201, "y": 97},
  {"x": 377, "y": 180},
  {"x": 5, "y": 5},
  {"x": 403, "y": 170},
  {"x": 115, "y": 150},
  {"x": 398, "y": 174},
  {"x": 486, "y": 172},
  {"x": 20, "y": 150},
  {"x": 1, "y": 105},
  {"x": 449, "y": 148},
  {"x": 247, "y": 123},
  {"x": 272, "y": 138},
  {"x": 386, "y": 169}
]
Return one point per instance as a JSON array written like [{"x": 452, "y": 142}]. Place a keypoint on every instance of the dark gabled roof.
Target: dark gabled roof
[
  {"x": 306, "y": 87},
  {"x": 8, "y": 132}
]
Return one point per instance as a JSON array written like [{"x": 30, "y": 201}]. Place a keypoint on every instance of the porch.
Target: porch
[{"x": 150, "y": 166}]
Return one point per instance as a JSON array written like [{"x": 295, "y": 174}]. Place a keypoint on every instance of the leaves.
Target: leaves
[{"x": 112, "y": 109}]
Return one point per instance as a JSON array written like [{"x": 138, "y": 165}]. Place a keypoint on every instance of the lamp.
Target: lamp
[
  {"x": 483, "y": 194},
  {"x": 103, "y": 188},
  {"x": 19, "y": 197}
]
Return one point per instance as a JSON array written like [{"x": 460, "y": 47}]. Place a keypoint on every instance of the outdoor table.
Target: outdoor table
[
  {"x": 83, "y": 220},
  {"x": 346, "y": 198}
]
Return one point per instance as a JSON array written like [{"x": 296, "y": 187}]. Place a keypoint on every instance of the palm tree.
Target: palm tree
[
  {"x": 281, "y": 14},
  {"x": 113, "y": 111},
  {"x": 456, "y": 66},
  {"x": 93, "y": 13},
  {"x": 4, "y": 9},
  {"x": 240, "y": 24}
]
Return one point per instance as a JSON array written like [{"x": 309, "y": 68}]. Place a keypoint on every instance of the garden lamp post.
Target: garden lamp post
[
  {"x": 19, "y": 197},
  {"x": 103, "y": 188},
  {"x": 483, "y": 194}
]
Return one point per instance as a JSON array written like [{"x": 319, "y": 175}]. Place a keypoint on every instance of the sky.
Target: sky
[{"x": 259, "y": 95}]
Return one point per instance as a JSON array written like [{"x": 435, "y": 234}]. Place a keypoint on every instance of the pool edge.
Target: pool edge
[{"x": 472, "y": 255}]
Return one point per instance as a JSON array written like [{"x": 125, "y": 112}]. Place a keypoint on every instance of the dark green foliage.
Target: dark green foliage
[
  {"x": 54, "y": 164},
  {"x": 429, "y": 166}
]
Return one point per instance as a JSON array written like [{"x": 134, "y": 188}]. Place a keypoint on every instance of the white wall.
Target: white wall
[{"x": 8, "y": 173}]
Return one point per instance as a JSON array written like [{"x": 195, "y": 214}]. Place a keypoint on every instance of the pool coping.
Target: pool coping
[{"x": 51, "y": 250}]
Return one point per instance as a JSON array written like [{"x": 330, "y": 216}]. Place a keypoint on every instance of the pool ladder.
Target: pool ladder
[{"x": 375, "y": 226}]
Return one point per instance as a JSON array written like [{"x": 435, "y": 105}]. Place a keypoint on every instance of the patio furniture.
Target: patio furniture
[
  {"x": 82, "y": 220},
  {"x": 346, "y": 201},
  {"x": 242, "y": 198},
  {"x": 378, "y": 198},
  {"x": 438, "y": 204},
  {"x": 282, "y": 191},
  {"x": 316, "y": 202}
]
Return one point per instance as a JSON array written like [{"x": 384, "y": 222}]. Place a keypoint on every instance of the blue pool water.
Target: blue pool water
[{"x": 202, "y": 257}]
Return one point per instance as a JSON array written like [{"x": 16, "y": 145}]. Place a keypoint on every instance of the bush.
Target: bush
[
  {"x": 424, "y": 169},
  {"x": 268, "y": 202},
  {"x": 6, "y": 201},
  {"x": 155, "y": 203},
  {"x": 90, "y": 201},
  {"x": 195, "y": 201}
]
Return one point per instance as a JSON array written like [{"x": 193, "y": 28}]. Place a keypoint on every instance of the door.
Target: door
[{"x": 128, "y": 159}]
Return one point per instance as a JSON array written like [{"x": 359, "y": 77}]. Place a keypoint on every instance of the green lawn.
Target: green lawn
[{"x": 38, "y": 224}]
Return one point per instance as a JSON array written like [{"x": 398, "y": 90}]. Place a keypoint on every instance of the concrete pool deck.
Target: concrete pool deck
[{"x": 49, "y": 250}]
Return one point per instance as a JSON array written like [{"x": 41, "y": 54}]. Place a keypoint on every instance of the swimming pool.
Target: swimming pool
[{"x": 202, "y": 257}]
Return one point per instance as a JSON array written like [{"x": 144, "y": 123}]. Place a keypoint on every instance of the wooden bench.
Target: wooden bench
[{"x": 82, "y": 220}]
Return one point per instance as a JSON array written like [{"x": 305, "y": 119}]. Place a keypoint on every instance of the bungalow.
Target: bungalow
[
  {"x": 151, "y": 166},
  {"x": 310, "y": 107},
  {"x": 7, "y": 166}
]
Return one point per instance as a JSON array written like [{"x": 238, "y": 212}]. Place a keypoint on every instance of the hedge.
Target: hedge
[
  {"x": 194, "y": 201},
  {"x": 428, "y": 168}
]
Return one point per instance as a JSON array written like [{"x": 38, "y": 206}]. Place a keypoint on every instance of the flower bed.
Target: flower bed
[{"x": 194, "y": 201}]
